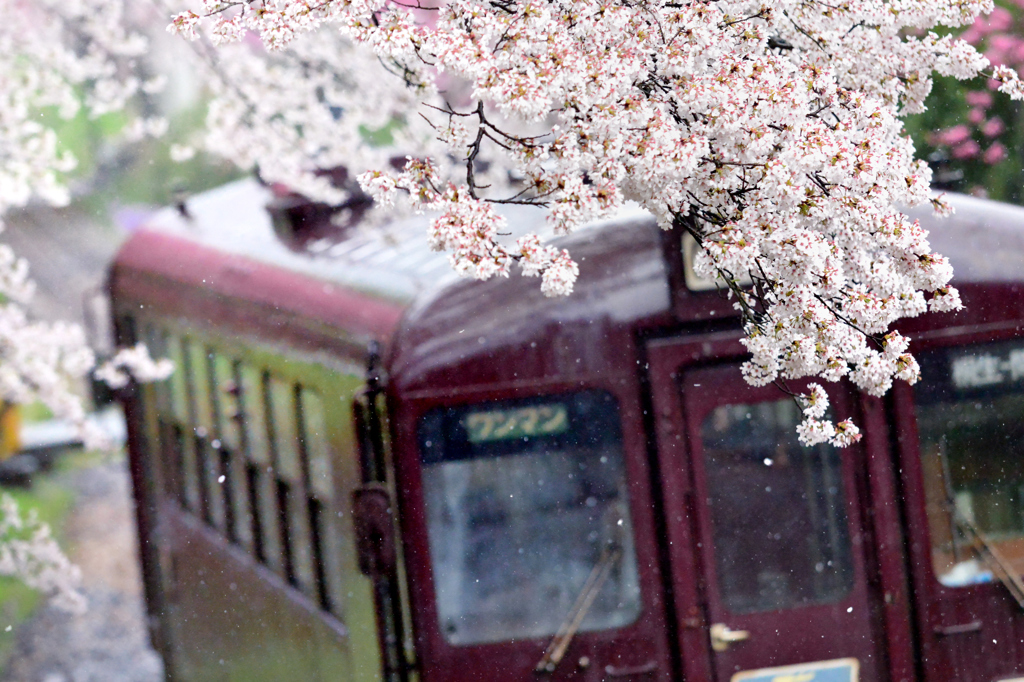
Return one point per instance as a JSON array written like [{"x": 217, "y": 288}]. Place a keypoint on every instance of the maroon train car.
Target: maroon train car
[{"x": 524, "y": 488}]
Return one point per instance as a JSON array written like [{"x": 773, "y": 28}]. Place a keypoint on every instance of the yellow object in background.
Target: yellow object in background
[{"x": 10, "y": 430}]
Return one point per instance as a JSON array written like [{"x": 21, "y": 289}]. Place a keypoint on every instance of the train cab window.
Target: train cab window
[
  {"x": 527, "y": 505},
  {"x": 777, "y": 510},
  {"x": 970, "y": 418}
]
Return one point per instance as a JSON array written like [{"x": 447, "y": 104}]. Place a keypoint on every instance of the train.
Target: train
[{"x": 365, "y": 468}]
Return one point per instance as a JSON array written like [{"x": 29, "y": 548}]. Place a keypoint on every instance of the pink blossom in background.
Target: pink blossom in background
[
  {"x": 953, "y": 136},
  {"x": 999, "y": 20},
  {"x": 993, "y": 127},
  {"x": 996, "y": 56},
  {"x": 1003, "y": 47},
  {"x": 976, "y": 116},
  {"x": 967, "y": 150},
  {"x": 979, "y": 98},
  {"x": 972, "y": 35},
  {"x": 994, "y": 154}
]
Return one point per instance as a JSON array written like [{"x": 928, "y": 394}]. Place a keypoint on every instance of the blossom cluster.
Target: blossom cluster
[
  {"x": 770, "y": 131},
  {"x": 133, "y": 363},
  {"x": 29, "y": 552},
  {"x": 56, "y": 58}
]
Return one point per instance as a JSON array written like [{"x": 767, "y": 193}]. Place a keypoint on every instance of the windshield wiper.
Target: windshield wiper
[
  {"x": 1001, "y": 568},
  {"x": 570, "y": 626},
  {"x": 1003, "y": 571}
]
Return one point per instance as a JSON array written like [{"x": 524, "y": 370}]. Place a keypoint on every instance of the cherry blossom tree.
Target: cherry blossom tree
[
  {"x": 56, "y": 56},
  {"x": 770, "y": 131}
]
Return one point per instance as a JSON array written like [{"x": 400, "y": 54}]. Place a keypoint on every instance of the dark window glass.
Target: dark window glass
[
  {"x": 253, "y": 489},
  {"x": 156, "y": 342},
  {"x": 525, "y": 501},
  {"x": 970, "y": 418},
  {"x": 777, "y": 511}
]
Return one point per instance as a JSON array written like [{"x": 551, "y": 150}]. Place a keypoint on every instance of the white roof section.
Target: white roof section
[
  {"x": 392, "y": 260},
  {"x": 983, "y": 239}
]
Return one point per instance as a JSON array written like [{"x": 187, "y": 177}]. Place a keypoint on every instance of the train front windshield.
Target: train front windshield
[
  {"x": 527, "y": 508},
  {"x": 970, "y": 415}
]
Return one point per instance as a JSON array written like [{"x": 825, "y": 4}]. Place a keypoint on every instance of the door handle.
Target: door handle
[{"x": 722, "y": 636}]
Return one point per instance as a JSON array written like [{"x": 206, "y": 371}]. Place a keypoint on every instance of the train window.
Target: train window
[
  {"x": 225, "y": 390},
  {"x": 260, "y": 482},
  {"x": 283, "y": 420},
  {"x": 180, "y": 465},
  {"x": 970, "y": 416},
  {"x": 176, "y": 382},
  {"x": 777, "y": 512},
  {"x": 319, "y": 486},
  {"x": 252, "y": 402},
  {"x": 198, "y": 371},
  {"x": 314, "y": 440},
  {"x": 293, "y": 519},
  {"x": 262, "y": 490},
  {"x": 156, "y": 342},
  {"x": 526, "y": 500}
]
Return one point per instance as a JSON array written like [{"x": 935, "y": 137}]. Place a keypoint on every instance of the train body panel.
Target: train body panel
[{"x": 581, "y": 489}]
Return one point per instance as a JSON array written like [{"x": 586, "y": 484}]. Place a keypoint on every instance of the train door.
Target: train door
[
  {"x": 961, "y": 436},
  {"x": 771, "y": 530}
]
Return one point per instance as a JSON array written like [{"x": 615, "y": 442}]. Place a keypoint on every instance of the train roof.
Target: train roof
[
  {"x": 626, "y": 283},
  {"x": 392, "y": 261},
  {"x": 984, "y": 240},
  {"x": 627, "y": 277}
]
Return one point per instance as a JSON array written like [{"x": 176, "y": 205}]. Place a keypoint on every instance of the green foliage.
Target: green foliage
[
  {"x": 149, "y": 175},
  {"x": 114, "y": 171},
  {"x": 972, "y": 135}
]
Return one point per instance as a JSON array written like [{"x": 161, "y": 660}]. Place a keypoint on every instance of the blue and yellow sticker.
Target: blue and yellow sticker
[{"x": 839, "y": 670}]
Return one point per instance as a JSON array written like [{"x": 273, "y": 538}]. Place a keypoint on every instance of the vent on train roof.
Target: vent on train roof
[{"x": 300, "y": 222}]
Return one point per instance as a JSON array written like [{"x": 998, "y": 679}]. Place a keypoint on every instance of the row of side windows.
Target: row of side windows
[{"x": 246, "y": 452}]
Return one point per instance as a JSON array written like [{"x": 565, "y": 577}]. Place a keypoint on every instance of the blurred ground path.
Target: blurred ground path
[
  {"x": 68, "y": 252},
  {"x": 109, "y": 642}
]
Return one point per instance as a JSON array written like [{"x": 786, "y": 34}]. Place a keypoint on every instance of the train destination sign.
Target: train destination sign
[
  {"x": 839, "y": 670},
  {"x": 984, "y": 371},
  {"x": 988, "y": 369},
  {"x": 485, "y": 426}
]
